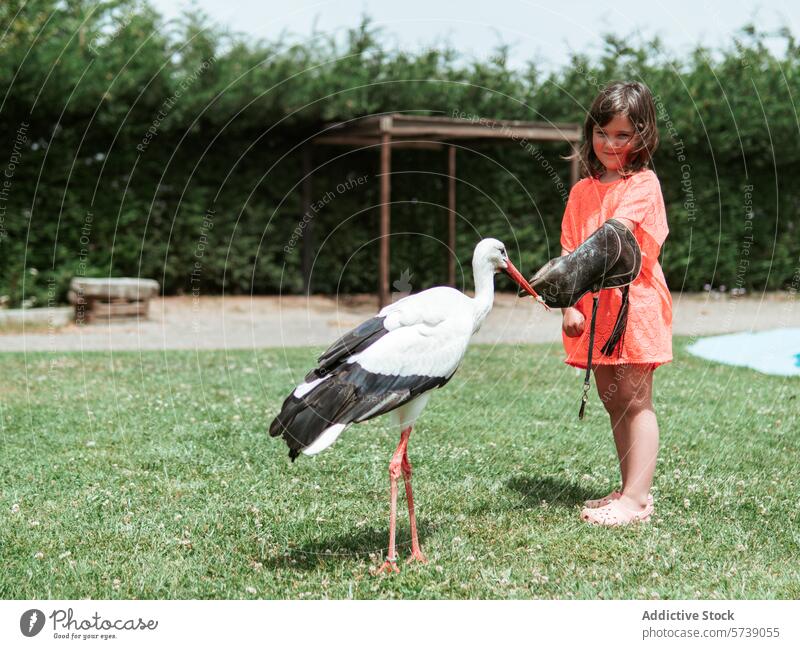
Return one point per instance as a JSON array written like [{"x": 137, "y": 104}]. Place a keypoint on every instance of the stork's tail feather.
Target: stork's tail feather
[
  {"x": 303, "y": 427},
  {"x": 317, "y": 412}
]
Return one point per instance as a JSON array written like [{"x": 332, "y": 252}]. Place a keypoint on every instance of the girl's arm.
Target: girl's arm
[
  {"x": 572, "y": 321},
  {"x": 626, "y": 222}
]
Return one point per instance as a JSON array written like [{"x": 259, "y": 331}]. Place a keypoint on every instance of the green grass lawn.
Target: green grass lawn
[{"x": 152, "y": 476}]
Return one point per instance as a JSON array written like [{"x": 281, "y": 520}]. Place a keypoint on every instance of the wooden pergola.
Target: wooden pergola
[{"x": 396, "y": 130}]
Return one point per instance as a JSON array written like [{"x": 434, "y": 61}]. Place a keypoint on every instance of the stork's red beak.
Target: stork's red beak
[{"x": 514, "y": 274}]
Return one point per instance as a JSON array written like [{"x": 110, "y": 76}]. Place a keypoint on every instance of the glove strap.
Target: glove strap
[{"x": 587, "y": 378}]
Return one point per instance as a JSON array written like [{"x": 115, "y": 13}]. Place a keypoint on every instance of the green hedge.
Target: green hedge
[{"x": 135, "y": 147}]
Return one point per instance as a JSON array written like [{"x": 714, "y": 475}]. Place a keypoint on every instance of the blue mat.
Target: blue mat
[{"x": 776, "y": 351}]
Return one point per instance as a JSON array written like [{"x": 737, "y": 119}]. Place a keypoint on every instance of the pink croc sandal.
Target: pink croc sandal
[
  {"x": 614, "y": 514},
  {"x": 602, "y": 502}
]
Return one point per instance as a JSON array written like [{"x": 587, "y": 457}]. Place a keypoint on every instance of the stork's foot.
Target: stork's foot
[
  {"x": 417, "y": 557},
  {"x": 387, "y": 568}
]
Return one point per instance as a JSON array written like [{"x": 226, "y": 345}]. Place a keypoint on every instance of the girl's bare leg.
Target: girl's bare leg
[
  {"x": 626, "y": 392},
  {"x": 608, "y": 384}
]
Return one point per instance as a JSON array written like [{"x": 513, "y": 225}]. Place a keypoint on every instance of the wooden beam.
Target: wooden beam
[
  {"x": 364, "y": 141},
  {"x": 417, "y": 144},
  {"x": 479, "y": 131},
  {"x": 443, "y": 119},
  {"x": 386, "y": 191},
  {"x": 363, "y": 126},
  {"x": 347, "y": 140},
  {"x": 451, "y": 215},
  {"x": 308, "y": 232},
  {"x": 440, "y": 128}
]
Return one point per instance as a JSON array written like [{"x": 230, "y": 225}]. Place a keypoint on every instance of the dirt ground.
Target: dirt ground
[{"x": 274, "y": 321}]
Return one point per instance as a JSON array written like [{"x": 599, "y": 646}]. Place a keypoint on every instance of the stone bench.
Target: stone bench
[{"x": 110, "y": 298}]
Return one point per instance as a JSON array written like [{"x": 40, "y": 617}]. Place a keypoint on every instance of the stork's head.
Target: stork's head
[{"x": 491, "y": 254}]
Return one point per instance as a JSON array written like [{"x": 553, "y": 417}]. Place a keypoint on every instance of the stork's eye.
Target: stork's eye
[{"x": 503, "y": 252}]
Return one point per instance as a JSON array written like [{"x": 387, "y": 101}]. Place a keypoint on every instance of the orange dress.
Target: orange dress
[{"x": 648, "y": 336}]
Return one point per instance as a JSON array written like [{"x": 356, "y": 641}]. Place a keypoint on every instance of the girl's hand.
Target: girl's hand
[{"x": 573, "y": 322}]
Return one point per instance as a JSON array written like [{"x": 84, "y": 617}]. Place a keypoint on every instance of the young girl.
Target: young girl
[{"x": 620, "y": 137}]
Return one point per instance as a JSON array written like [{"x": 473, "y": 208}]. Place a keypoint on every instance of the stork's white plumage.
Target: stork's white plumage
[{"x": 391, "y": 363}]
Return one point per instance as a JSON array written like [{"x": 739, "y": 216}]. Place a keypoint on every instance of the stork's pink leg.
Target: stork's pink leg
[
  {"x": 395, "y": 470},
  {"x": 416, "y": 552}
]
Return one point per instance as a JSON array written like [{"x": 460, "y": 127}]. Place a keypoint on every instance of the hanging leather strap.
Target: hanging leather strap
[
  {"x": 588, "y": 376},
  {"x": 617, "y": 337}
]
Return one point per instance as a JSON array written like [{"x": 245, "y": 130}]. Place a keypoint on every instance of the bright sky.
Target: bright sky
[{"x": 545, "y": 31}]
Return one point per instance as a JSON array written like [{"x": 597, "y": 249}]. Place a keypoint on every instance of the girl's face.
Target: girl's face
[{"x": 613, "y": 142}]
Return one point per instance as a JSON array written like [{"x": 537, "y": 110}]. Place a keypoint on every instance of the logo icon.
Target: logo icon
[
  {"x": 402, "y": 287},
  {"x": 31, "y": 622}
]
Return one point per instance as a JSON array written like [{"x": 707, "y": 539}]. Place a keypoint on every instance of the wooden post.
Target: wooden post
[
  {"x": 574, "y": 168},
  {"x": 451, "y": 215},
  {"x": 305, "y": 217},
  {"x": 383, "y": 264}
]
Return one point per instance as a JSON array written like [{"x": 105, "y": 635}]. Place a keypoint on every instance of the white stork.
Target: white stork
[{"x": 391, "y": 362}]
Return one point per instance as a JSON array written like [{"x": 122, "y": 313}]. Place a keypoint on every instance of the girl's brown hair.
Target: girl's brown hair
[{"x": 635, "y": 101}]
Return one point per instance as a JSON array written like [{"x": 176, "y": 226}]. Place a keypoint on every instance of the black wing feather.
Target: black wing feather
[
  {"x": 351, "y": 343},
  {"x": 351, "y": 394}
]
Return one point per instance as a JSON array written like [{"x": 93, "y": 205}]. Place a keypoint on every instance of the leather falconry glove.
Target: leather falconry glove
[{"x": 609, "y": 258}]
